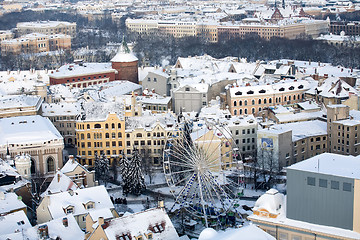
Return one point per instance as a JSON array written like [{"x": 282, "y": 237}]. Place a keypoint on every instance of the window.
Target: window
[
  {"x": 323, "y": 183},
  {"x": 347, "y": 187},
  {"x": 311, "y": 181},
  {"x": 51, "y": 164},
  {"x": 187, "y": 89},
  {"x": 335, "y": 185}
]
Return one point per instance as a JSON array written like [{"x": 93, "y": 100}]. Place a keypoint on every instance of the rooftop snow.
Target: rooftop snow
[
  {"x": 331, "y": 164},
  {"x": 20, "y": 101},
  {"x": 138, "y": 224},
  {"x": 299, "y": 130},
  {"x": 60, "y": 201},
  {"x": 250, "y": 232},
  {"x": 27, "y": 130},
  {"x": 10, "y": 203},
  {"x": 72, "y": 70},
  {"x": 14, "y": 222}
]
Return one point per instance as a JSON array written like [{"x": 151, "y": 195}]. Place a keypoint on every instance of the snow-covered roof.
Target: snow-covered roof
[
  {"x": 264, "y": 89},
  {"x": 60, "y": 183},
  {"x": 14, "y": 222},
  {"x": 331, "y": 164},
  {"x": 27, "y": 130},
  {"x": 98, "y": 111},
  {"x": 56, "y": 230},
  {"x": 10, "y": 202},
  {"x": 333, "y": 88},
  {"x": 272, "y": 201},
  {"x": 77, "y": 199},
  {"x": 139, "y": 223},
  {"x": 149, "y": 121},
  {"x": 308, "y": 105},
  {"x": 157, "y": 99},
  {"x": 75, "y": 70},
  {"x": 298, "y": 116},
  {"x": 104, "y": 212},
  {"x": 60, "y": 109},
  {"x": 70, "y": 166},
  {"x": 250, "y": 232},
  {"x": 124, "y": 54},
  {"x": 299, "y": 130},
  {"x": 17, "y": 82},
  {"x": 19, "y": 101},
  {"x": 42, "y": 24}
]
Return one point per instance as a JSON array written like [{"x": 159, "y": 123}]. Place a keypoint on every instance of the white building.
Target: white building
[{"x": 36, "y": 136}]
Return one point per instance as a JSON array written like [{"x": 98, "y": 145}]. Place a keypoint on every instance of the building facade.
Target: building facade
[
  {"x": 47, "y": 27},
  {"x": 95, "y": 137},
  {"x": 253, "y": 99}
]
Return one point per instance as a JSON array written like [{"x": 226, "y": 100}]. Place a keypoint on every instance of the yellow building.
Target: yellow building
[
  {"x": 149, "y": 135},
  {"x": 216, "y": 147},
  {"x": 100, "y": 136}
]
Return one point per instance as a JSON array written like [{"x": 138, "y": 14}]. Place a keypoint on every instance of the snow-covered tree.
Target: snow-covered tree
[
  {"x": 101, "y": 167},
  {"x": 133, "y": 178}
]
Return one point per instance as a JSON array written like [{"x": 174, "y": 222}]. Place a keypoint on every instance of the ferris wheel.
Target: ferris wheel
[{"x": 195, "y": 166}]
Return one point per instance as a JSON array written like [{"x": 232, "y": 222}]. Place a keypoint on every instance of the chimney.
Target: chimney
[
  {"x": 58, "y": 177},
  {"x": 43, "y": 231},
  {"x": 72, "y": 159},
  {"x": 101, "y": 221},
  {"x": 65, "y": 222}
]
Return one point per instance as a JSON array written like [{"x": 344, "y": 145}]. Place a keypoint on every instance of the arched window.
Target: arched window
[
  {"x": 82, "y": 136},
  {"x": 119, "y": 125},
  {"x": 107, "y": 135},
  {"x": 240, "y": 111},
  {"x": 139, "y": 135},
  {"x": 113, "y": 125},
  {"x": 259, "y": 102},
  {"x": 106, "y": 126},
  {"x": 240, "y": 103},
  {"x": 276, "y": 100},
  {"x": 113, "y": 135},
  {"x": 235, "y": 112},
  {"x": 264, "y": 100},
  {"x": 50, "y": 164},
  {"x": 245, "y": 110},
  {"x": 88, "y": 136},
  {"x": 234, "y": 103},
  {"x": 119, "y": 135},
  {"x": 285, "y": 99},
  {"x": 33, "y": 166},
  {"x": 253, "y": 102},
  {"x": 245, "y": 102},
  {"x": 253, "y": 110},
  {"x": 259, "y": 109},
  {"x": 294, "y": 97},
  {"x": 299, "y": 96},
  {"x": 88, "y": 126}
]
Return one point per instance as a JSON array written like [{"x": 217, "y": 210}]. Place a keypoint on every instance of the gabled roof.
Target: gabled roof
[
  {"x": 60, "y": 183},
  {"x": 154, "y": 221},
  {"x": 13, "y": 222},
  {"x": 78, "y": 198},
  {"x": 124, "y": 54}
]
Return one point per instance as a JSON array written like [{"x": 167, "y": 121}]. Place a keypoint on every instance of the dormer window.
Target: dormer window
[
  {"x": 291, "y": 88},
  {"x": 301, "y": 87},
  {"x": 262, "y": 91},
  {"x": 187, "y": 89},
  {"x": 69, "y": 210},
  {"x": 238, "y": 93},
  {"x": 282, "y": 89},
  {"x": 250, "y": 92}
]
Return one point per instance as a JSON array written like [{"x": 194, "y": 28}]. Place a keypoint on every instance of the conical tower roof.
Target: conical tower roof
[{"x": 124, "y": 54}]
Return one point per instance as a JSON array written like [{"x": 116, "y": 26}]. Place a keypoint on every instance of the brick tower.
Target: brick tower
[{"x": 126, "y": 64}]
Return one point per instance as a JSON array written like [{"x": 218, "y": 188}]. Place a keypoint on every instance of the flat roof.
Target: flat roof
[{"x": 331, "y": 164}]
